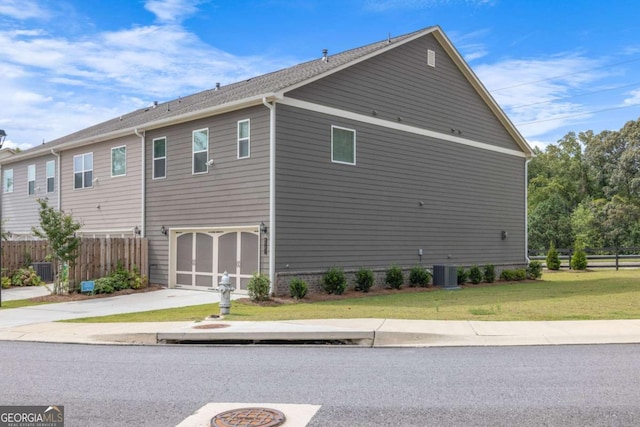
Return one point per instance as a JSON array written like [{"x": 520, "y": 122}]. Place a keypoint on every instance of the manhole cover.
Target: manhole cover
[
  {"x": 212, "y": 326},
  {"x": 249, "y": 417}
]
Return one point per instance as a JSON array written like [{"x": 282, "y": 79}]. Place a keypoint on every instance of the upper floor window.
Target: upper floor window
[
  {"x": 244, "y": 144},
  {"x": 8, "y": 181},
  {"x": 31, "y": 179},
  {"x": 51, "y": 176},
  {"x": 159, "y": 158},
  {"x": 200, "y": 151},
  {"x": 343, "y": 145},
  {"x": 83, "y": 170},
  {"x": 119, "y": 161}
]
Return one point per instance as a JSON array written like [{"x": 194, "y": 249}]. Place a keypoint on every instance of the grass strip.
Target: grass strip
[{"x": 600, "y": 294}]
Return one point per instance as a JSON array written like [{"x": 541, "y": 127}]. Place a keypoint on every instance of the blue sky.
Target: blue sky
[{"x": 553, "y": 65}]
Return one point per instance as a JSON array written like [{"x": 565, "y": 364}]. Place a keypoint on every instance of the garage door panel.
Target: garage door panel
[
  {"x": 184, "y": 252},
  {"x": 227, "y": 252},
  {"x": 249, "y": 253},
  {"x": 204, "y": 253}
]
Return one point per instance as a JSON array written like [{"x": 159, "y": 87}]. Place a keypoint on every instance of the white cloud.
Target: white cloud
[
  {"x": 22, "y": 9},
  {"x": 57, "y": 84},
  {"x": 634, "y": 99},
  {"x": 172, "y": 11},
  {"x": 536, "y": 93}
]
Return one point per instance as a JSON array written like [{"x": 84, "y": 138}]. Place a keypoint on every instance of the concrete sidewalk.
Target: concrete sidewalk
[{"x": 40, "y": 323}]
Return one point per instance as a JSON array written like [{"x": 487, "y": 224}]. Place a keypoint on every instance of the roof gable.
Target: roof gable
[{"x": 252, "y": 91}]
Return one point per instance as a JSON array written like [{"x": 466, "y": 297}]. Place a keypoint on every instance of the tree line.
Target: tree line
[{"x": 585, "y": 190}]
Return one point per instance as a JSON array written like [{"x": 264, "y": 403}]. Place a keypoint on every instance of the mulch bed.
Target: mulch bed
[{"x": 81, "y": 297}]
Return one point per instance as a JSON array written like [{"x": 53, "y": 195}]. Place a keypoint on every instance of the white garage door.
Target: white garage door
[{"x": 202, "y": 257}]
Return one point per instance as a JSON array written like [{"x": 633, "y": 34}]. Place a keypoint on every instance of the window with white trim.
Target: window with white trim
[
  {"x": 200, "y": 151},
  {"x": 8, "y": 181},
  {"x": 31, "y": 180},
  {"x": 51, "y": 176},
  {"x": 343, "y": 145},
  {"x": 119, "y": 161},
  {"x": 244, "y": 143},
  {"x": 159, "y": 158},
  {"x": 83, "y": 171}
]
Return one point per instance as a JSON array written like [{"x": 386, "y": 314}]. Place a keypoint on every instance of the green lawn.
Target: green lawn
[
  {"x": 20, "y": 303},
  {"x": 602, "y": 294}
]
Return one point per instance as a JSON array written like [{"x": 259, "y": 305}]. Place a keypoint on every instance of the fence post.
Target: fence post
[{"x": 617, "y": 257}]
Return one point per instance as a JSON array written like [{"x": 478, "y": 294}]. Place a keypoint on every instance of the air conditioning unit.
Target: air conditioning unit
[
  {"x": 445, "y": 276},
  {"x": 44, "y": 270}
]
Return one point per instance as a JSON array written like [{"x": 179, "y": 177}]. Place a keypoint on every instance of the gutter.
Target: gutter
[
  {"x": 272, "y": 192},
  {"x": 143, "y": 189},
  {"x": 59, "y": 189},
  {"x": 526, "y": 210},
  {"x": 168, "y": 121}
]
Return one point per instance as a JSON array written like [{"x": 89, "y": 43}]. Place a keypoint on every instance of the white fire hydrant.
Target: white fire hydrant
[{"x": 225, "y": 287}]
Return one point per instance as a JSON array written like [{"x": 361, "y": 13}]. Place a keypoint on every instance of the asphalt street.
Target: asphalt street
[{"x": 593, "y": 385}]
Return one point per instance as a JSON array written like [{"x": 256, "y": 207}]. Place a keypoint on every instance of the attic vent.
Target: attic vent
[
  {"x": 325, "y": 58},
  {"x": 431, "y": 58}
]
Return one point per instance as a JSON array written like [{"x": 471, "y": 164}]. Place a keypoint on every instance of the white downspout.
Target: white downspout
[
  {"x": 142, "y": 186},
  {"x": 526, "y": 210},
  {"x": 272, "y": 193},
  {"x": 58, "y": 180}
]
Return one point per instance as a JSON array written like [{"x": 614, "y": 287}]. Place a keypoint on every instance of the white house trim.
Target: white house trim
[{"x": 305, "y": 105}]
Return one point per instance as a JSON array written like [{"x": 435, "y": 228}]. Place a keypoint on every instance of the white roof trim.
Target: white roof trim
[{"x": 398, "y": 126}]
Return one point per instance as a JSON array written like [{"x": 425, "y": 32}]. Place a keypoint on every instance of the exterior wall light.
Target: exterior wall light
[
  {"x": 164, "y": 230},
  {"x": 503, "y": 235},
  {"x": 263, "y": 228}
]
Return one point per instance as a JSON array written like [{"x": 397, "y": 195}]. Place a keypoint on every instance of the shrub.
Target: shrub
[
  {"x": 105, "y": 285},
  {"x": 6, "y": 282},
  {"x": 394, "y": 277},
  {"x": 364, "y": 279},
  {"x": 298, "y": 288},
  {"x": 489, "y": 274},
  {"x": 26, "y": 276},
  {"x": 579, "y": 258},
  {"x": 475, "y": 274},
  {"x": 258, "y": 287},
  {"x": 419, "y": 276},
  {"x": 463, "y": 275},
  {"x": 553, "y": 259},
  {"x": 534, "y": 270},
  {"x": 513, "y": 274},
  {"x": 334, "y": 282}
]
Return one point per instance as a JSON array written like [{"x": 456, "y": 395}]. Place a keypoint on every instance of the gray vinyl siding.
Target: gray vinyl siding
[
  {"x": 114, "y": 204},
  {"x": 235, "y": 192},
  {"x": 20, "y": 210},
  {"x": 399, "y": 84},
  {"x": 369, "y": 214}
]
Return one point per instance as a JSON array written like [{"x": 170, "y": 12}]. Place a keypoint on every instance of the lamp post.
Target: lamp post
[{"x": 3, "y": 135}]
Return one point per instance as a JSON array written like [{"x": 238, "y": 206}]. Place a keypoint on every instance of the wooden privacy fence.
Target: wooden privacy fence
[{"x": 96, "y": 257}]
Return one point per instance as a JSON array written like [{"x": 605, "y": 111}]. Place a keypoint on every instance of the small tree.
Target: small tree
[
  {"x": 579, "y": 258},
  {"x": 553, "y": 259},
  {"x": 59, "y": 229}
]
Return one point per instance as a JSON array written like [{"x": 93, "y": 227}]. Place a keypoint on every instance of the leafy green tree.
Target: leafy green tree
[
  {"x": 550, "y": 221},
  {"x": 59, "y": 229},
  {"x": 584, "y": 225}
]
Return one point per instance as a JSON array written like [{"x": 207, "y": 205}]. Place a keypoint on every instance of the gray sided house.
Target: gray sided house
[
  {"x": 391, "y": 153},
  {"x": 98, "y": 183}
]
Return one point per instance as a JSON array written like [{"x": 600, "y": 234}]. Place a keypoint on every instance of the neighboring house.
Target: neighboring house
[
  {"x": 98, "y": 183},
  {"x": 392, "y": 153}
]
